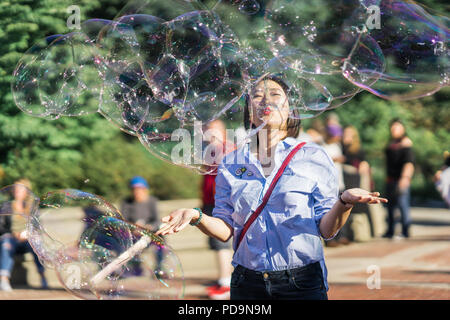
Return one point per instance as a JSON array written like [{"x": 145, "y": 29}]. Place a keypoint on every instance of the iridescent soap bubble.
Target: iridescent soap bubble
[
  {"x": 207, "y": 48},
  {"x": 53, "y": 243},
  {"x": 194, "y": 36},
  {"x": 58, "y": 76},
  {"x": 132, "y": 48},
  {"x": 175, "y": 142},
  {"x": 168, "y": 80},
  {"x": 95, "y": 253},
  {"x": 126, "y": 98},
  {"x": 132, "y": 98},
  {"x": 148, "y": 269},
  {"x": 132, "y": 39},
  {"x": 298, "y": 25},
  {"x": 195, "y": 81},
  {"x": 76, "y": 266},
  {"x": 249, "y": 6},
  {"x": 299, "y": 38},
  {"x": 415, "y": 47},
  {"x": 317, "y": 43}
]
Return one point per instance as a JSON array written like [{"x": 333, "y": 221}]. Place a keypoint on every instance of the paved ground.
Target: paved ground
[{"x": 417, "y": 268}]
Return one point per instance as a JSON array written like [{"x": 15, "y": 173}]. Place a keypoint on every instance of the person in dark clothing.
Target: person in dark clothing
[
  {"x": 400, "y": 170},
  {"x": 141, "y": 209}
]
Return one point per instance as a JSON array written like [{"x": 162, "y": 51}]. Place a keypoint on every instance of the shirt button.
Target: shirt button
[{"x": 265, "y": 275}]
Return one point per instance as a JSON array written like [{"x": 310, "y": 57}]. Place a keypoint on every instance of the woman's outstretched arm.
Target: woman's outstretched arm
[
  {"x": 179, "y": 219},
  {"x": 335, "y": 219}
]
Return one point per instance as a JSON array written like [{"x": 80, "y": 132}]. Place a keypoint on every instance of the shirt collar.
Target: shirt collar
[{"x": 290, "y": 141}]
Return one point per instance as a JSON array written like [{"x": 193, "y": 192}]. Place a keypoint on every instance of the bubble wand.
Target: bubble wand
[{"x": 126, "y": 256}]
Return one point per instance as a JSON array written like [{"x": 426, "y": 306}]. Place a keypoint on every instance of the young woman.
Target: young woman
[{"x": 281, "y": 254}]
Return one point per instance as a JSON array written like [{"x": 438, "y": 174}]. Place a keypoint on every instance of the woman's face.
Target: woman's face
[
  {"x": 269, "y": 103},
  {"x": 397, "y": 130}
]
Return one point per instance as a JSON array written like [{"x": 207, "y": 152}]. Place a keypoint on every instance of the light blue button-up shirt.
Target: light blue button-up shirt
[{"x": 286, "y": 233}]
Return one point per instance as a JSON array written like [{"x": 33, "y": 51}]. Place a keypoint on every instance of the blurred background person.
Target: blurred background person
[
  {"x": 332, "y": 123},
  {"x": 356, "y": 174},
  {"x": 442, "y": 179},
  {"x": 219, "y": 144},
  {"x": 141, "y": 209},
  {"x": 400, "y": 170},
  {"x": 333, "y": 146},
  {"x": 13, "y": 235}
]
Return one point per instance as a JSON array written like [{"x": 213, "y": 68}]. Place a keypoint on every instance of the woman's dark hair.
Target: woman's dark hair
[{"x": 293, "y": 124}]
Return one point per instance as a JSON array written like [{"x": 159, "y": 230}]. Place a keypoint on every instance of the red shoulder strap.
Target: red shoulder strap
[{"x": 266, "y": 197}]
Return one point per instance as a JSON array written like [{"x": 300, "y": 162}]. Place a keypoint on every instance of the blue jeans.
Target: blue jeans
[
  {"x": 10, "y": 246},
  {"x": 304, "y": 283},
  {"x": 398, "y": 199}
]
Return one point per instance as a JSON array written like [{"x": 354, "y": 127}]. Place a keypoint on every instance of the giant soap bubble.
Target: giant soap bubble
[
  {"x": 95, "y": 253},
  {"x": 166, "y": 70},
  {"x": 415, "y": 48},
  {"x": 57, "y": 77}
]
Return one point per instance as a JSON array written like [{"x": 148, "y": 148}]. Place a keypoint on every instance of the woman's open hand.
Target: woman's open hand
[
  {"x": 357, "y": 195},
  {"x": 176, "y": 221}
]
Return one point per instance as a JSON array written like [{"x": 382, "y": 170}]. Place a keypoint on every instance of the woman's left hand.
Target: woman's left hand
[{"x": 357, "y": 195}]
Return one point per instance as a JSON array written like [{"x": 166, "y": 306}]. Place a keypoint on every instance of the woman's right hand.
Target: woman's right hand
[{"x": 177, "y": 221}]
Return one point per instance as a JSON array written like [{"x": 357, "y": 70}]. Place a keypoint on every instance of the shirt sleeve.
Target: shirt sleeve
[
  {"x": 326, "y": 191},
  {"x": 223, "y": 207}
]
